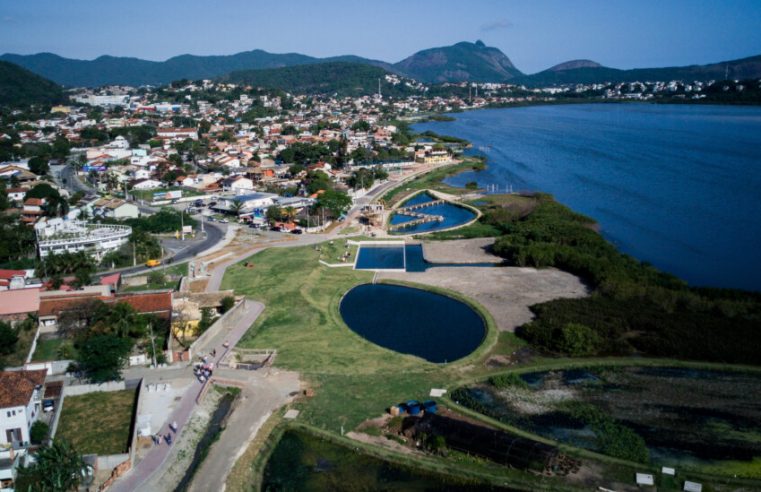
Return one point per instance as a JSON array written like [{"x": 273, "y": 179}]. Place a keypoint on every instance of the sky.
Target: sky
[{"x": 535, "y": 34}]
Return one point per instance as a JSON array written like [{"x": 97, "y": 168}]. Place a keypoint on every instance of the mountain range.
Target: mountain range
[{"x": 464, "y": 61}]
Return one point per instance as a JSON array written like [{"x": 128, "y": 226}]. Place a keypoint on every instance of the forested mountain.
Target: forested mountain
[
  {"x": 342, "y": 78},
  {"x": 457, "y": 63},
  {"x": 20, "y": 87}
]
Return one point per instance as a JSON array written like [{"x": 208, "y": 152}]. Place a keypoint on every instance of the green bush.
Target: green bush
[
  {"x": 227, "y": 304},
  {"x": 577, "y": 340},
  {"x": 613, "y": 439},
  {"x": 507, "y": 381},
  {"x": 39, "y": 432}
]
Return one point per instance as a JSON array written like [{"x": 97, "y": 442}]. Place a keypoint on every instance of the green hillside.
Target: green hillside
[
  {"x": 342, "y": 78},
  {"x": 20, "y": 87}
]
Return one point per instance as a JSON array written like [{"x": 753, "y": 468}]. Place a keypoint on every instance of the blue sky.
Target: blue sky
[{"x": 534, "y": 34}]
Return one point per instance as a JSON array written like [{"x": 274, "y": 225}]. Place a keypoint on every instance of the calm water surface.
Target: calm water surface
[
  {"x": 434, "y": 327},
  {"x": 675, "y": 185}
]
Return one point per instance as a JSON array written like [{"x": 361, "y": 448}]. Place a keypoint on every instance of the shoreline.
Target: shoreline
[{"x": 597, "y": 227}]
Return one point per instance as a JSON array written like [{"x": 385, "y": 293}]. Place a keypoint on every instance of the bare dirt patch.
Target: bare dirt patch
[
  {"x": 506, "y": 292},
  {"x": 460, "y": 251}
]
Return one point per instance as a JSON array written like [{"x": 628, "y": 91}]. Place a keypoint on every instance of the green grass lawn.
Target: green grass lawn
[
  {"x": 98, "y": 423},
  {"x": 48, "y": 349},
  {"x": 353, "y": 378}
]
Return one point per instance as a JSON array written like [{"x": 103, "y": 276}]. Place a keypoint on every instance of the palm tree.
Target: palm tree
[
  {"x": 289, "y": 213},
  {"x": 57, "y": 467},
  {"x": 236, "y": 207}
]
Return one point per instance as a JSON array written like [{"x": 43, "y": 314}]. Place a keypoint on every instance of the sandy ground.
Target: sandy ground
[
  {"x": 460, "y": 251},
  {"x": 506, "y": 292}
]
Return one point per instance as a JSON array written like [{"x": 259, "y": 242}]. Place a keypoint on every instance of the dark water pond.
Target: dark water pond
[
  {"x": 380, "y": 257},
  {"x": 454, "y": 215},
  {"x": 434, "y": 327},
  {"x": 301, "y": 462}
]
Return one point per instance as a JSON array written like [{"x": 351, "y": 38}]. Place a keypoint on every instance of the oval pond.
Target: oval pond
[{"x": 432, "y": 326}]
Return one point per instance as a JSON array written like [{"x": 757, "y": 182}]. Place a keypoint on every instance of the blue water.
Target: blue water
[
  {"x": 380, "y": 258},
  {"x": 678, "y": 186},
  {"x": 413, "y": 321},
  {"x": 453, "y": 215}
]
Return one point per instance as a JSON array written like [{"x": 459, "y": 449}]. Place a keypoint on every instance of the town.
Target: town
[{"x": 156, "y": 238}]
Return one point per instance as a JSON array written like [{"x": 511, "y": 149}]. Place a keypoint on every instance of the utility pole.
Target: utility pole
[
  {"x": 182, "y": 226},
  {"x": 134, "y": 255}
]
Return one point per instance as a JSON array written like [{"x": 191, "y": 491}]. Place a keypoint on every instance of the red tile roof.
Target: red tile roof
[
  {"x": 17, "y": 387},
  {"x": 152, "y": 302}
]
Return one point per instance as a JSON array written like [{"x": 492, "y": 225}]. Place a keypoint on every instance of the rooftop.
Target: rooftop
[{"x": 17, "y": 387}]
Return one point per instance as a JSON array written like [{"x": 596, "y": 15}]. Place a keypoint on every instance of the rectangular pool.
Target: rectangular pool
[{"x": 381, "y": 257}]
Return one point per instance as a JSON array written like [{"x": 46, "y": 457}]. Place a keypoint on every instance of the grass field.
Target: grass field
[
  {"x": 48, "y": 349},
  {"x": 98, "y": 423},
  {"x": 353, "y": 378}
]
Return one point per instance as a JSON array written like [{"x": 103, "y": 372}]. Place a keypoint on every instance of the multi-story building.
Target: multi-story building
[{"x": 58, "y": 236}]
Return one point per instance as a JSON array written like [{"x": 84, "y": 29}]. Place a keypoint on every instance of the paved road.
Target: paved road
[{"x": 155, "y": 458}]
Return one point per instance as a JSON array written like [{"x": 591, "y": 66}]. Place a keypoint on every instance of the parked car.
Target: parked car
[
  {"x": 48, "y": 405},
  {"x": 297, "y": 231},
  {"x": 198, "y": 203}
]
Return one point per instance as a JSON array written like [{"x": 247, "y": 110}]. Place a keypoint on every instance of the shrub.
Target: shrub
[
  {"x": 577, "y": 340},
  {"x": 507, "y": 380},
  {"x": 39, "y": 432},
  {"x": 227, "y": 304}
]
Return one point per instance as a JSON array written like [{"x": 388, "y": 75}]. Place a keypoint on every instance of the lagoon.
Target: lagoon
[{"x": 678, "y": 186}]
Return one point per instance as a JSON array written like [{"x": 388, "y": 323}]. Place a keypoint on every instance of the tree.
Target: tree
[
  {"x": 8, "y": 338},
  {"x": 577, "y": 340},
  {"x": 236, "y": 207},
  {"x": 361, "y": 126},
  {"x": 101, "y": 357},
  {"x": 38, "y": 432},
  {"x": 274, "y": 214},
  {"x": 39, "y": 165},
  {"x": 337, "y": 202},
  {"x": 58, "y": 468},
  {"x": 207, "y": 319},
  {"x": 226, "y": 304}
]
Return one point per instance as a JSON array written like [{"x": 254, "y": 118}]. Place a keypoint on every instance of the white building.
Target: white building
[
  {"x": 103, "y": 101},
  {"x": 114, "y": 208},
  {"x": 58, "y": 236},
  {"x": 20, "y": 405}
]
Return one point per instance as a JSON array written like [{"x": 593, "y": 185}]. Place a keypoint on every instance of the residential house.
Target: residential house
[
  {"x": 115, "y": 208},
  {"x": 238, "y": 184},
  {"x": 146, "y": 184},
  {"x": 33, "y": 210},
  {"x": 20, "y": 405},
  {"x": 21, "y": 174},
  {"x": 12, "y": 279}
]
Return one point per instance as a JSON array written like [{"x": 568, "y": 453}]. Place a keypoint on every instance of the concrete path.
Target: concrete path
[{"x": 261, "y": 395}]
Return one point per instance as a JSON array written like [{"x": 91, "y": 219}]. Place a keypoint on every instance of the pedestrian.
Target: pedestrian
[{"x": 174, "y": 426}]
